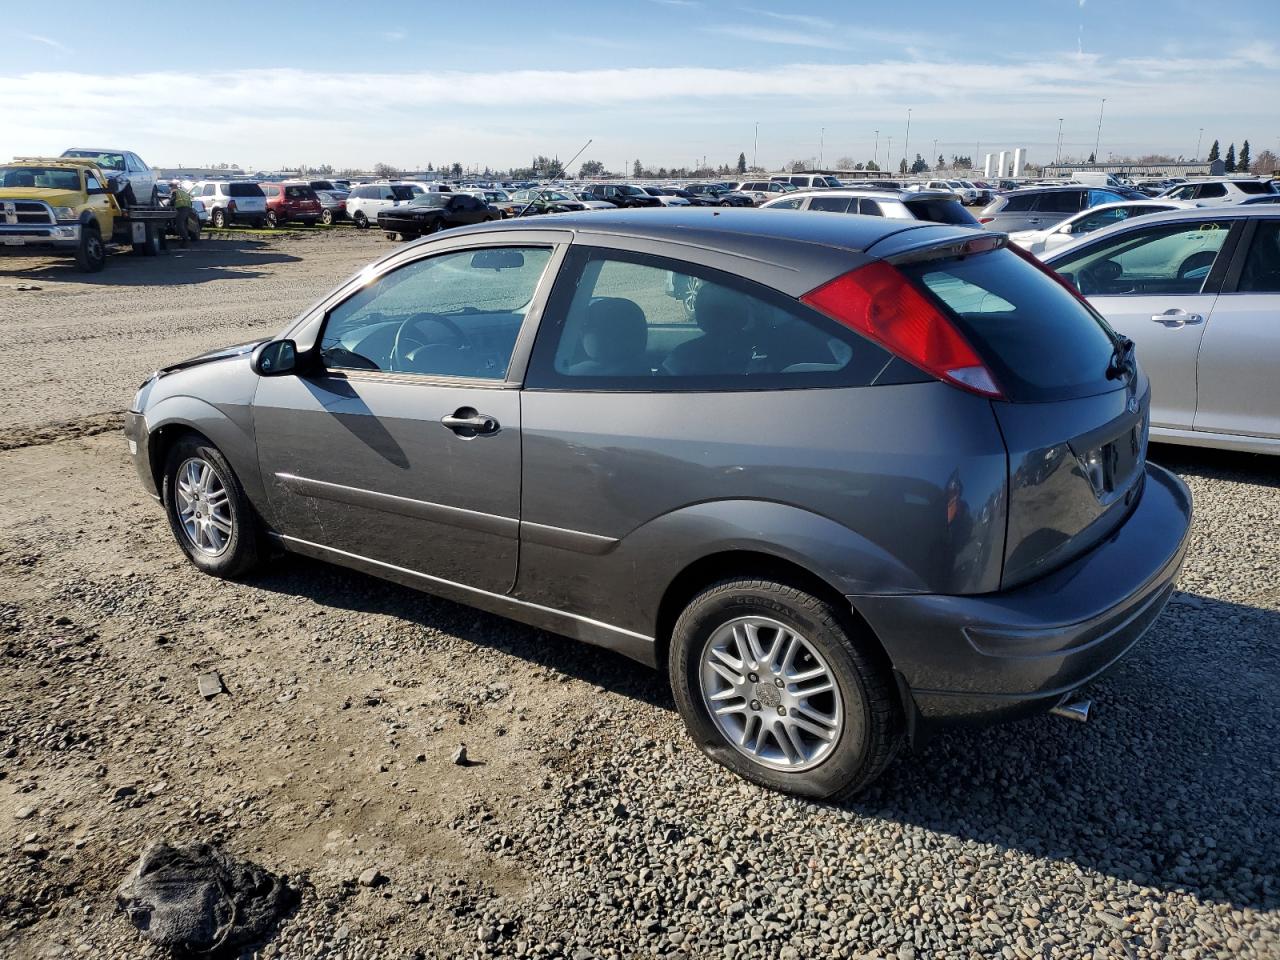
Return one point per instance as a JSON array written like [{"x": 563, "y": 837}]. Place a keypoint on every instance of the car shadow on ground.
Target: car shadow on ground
[
  {"x": 1139, "y": 793},
  {"x": 1260, "y": 468},
  {"x": 202, "y": 261}
]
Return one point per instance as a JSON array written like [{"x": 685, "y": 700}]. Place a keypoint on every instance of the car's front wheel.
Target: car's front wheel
[
  {"x": 776, "y": 684},
  {"x": 211, "y": 518}
]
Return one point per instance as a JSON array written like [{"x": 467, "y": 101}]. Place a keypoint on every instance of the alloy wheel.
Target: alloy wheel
[
  {"x": 770, "y": 693},
  {"x": 204, "y": 507}
]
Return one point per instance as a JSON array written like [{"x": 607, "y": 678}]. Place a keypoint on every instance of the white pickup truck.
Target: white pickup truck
[{"x": 136, "y": 184}]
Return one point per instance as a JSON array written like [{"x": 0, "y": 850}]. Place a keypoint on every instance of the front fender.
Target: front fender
[{"x": 228, "y": 429}]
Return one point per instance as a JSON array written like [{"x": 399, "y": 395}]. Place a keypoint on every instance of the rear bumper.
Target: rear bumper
[{"x": 1004, "y": 655}]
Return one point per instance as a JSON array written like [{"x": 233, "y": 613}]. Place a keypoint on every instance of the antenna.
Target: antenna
[{"x": 562, "y": 169}]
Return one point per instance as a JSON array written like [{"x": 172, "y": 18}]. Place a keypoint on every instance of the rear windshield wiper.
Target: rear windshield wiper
[{"x": 1121, "y": 358}]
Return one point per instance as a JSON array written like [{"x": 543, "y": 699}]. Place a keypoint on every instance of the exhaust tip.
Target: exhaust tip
[{"x": 1077, "y": 710}]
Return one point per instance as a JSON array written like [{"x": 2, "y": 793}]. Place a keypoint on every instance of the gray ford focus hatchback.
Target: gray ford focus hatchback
[{"x": 846, "y": 479}]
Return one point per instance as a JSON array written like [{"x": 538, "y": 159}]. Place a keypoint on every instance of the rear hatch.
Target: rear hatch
[
  {"x": 1072, "y": 406},
  {"x": 248, "y": 197}
]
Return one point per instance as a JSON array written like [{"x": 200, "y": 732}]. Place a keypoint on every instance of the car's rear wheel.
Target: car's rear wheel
[
  {"x": 218, "y": 218},
  {"x": 211, "y": 518},
  {"x": 327, "y": 218},
  {"x": 272, "y": 220},
  {"x": 779, "y": 686},
  {"x": 392, "y": 235},
  {"x": 360, "y": 220}
]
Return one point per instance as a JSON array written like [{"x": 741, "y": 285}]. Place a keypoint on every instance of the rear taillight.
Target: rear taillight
[
  {"x": 881, "y": 304},
  {"x": 985, "y": 219},
  {"x": 231, "y": 206}
]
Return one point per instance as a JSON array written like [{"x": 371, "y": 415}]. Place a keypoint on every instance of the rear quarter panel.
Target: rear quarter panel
[{"x": 889, "y": 489}]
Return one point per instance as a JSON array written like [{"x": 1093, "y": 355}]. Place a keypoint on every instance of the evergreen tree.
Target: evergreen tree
[
  {"x": 1213, "y": 152},
  {"x": 1231, "y": 159},
  {"x": 637, "y": 169},
  {"x": 742, "y": 163},
  {"x": 919, "y": 166},
  {"x": 1244, "y": 162},
  {"x": 1092, "y": 158},
  {"x": 942, "y": 162}
]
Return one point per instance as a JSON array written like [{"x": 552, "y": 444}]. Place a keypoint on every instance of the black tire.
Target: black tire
[
  {"x": 272, "y": 220},
  {"x": 327, "y": 218},
  {"x": 152, "y": 244},
  {"x": 127, "y": 198},
  {"x": 870, "y": 733},
  {"x": 155, "y": 197},
  {"x": 244, "y": 549},
  {"x": 218, "y": 219},
  {"x": 91, "y": 255},
  {"x": 360, "y": 220},
  {"x": 193, "y": 226}
]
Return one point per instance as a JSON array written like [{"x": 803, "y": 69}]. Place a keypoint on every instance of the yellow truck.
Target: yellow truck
[{"x": 70, "y": 204}]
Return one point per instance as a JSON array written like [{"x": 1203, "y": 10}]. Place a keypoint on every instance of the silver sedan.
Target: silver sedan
[{"x": 1198, "y": 291}]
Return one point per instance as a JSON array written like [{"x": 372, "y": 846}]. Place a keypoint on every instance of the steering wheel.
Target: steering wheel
[{"x": 396, "y": 354}]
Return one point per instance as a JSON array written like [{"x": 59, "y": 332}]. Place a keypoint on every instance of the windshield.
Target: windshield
[
  {"x": 108, "y": 161},
  {"x": 322, "y": 185},
  {"x": 49, "y": 177},
  {"x": 430, "y": 200},
  {"x": 631, "y": 191},
  {"x": 831, "y": 181},
  {"x": 555, "y": 196},
  {"x": 496, "y": 196}
]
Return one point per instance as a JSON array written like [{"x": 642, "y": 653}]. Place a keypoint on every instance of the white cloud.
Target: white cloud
[
  {"x": 790, "y": 38},
  {"x": 395, "y": 36},
  {"x": 47, "y": 41}
]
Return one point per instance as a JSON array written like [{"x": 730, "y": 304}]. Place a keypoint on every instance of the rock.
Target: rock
[
  {"x": 124, "y": 792},
  {"x": 195, "y": 897},
  {"x": 460, "y": 756},
  {"x": 210, "y": 684},
  {"x": 373, "y": 877},
  {"x": 25, "y": 813},
  {"x": 34, "y": 851}
]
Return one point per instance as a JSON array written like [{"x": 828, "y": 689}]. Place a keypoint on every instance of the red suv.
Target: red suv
[{"x": 291, "y": 201}]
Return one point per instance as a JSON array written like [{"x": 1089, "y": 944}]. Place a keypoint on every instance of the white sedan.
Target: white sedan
[{"x": 1042, "y": 242}]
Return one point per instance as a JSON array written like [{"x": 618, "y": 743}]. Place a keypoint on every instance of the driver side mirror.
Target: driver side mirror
[{"x": 275, "y": 359}]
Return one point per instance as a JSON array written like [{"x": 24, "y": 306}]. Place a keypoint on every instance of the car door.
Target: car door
[
  {"x": 1239, "y": 389},
  {"x": 142, "y": 175},
  {"x": 1156, "y": 284},
  {"x": 399, "y": 442}
]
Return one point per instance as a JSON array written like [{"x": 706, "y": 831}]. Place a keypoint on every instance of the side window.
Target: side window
[
  {"x": 1096, "y": 221},
  {"x": 834, "y": 204},
  {"x": 1174, "y": 258},
  {"x": 1212, "y": 190},
  {"x": 622, "y": 321},
  {"x": 869, "y": 208},
  {"x": 453, "y": 315},
  {"x": 791, "y": 203},
  {"x": 1060, "y": 201},
  {"x": 1103, "y": 196},
  {"x": 1261, "y": 273},
  {"x": 1020, "y": 203}
]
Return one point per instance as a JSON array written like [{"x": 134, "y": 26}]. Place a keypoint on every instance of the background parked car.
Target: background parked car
[
  {"x": 719, "y": 194},
  {"x": 290, "y": 203},
  {"x": 528, "y": 203},
  {"x": 368, "y": 199},
  {"x": 1037, "y": 208},
  {"x": 1198, "y": 291},
  {"x": 590, "y": 203},
  {"x": 232, "y": 201},
  {"x": 432, "y": 212},
  {"x": 621, "y": 195},
  {"x": 761, "y": 191},
  {"x": 808, "y": 181},
  {"x": 967, "y": 194},
  {"x": 332, "y": 197},
  {"x": 935, "y": 205},
  {"x": 1225, "y": 190},
  {"x": 666, "y": 196},
  {"x": 1041, "y": 242}
]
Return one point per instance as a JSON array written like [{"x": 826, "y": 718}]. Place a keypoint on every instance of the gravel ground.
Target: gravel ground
[{"x": 584, "y": 824}]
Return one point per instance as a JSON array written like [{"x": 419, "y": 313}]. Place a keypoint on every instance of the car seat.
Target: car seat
[
  {"x": 615, "y": 337},
  {"x": 722, "y": 315}
]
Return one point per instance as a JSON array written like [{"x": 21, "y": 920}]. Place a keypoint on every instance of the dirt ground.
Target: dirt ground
[{"x": 584, "y": 825}]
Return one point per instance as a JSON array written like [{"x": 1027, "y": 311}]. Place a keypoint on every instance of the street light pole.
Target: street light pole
[
  {"x": 935, "y": 151},
  {"x": 822, "y": 143},
  {"x": 755, "y": 148},
  {"x": 1057, "y": 156},
  {"x": 1097, "y": 143},
  {"x": 906, "y": 146},
  {"x": 1199, "y": 140},
  {"x": 876, "y": 158}
]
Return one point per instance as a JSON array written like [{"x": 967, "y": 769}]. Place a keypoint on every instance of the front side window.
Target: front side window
[
  {"x": 833, "y": 204},
  {"x": 1212, "y": 190},
  {"x": 1261, "y": 273},
  {"x": 1173, "y": 258},
  {"x": 1021, "y": 203},
  {"x": 1060, "y": 201},
  {"x": 452, "y": 315},
  {"x": 622, "y": 321},
  {"x": 791, "y": 203}
]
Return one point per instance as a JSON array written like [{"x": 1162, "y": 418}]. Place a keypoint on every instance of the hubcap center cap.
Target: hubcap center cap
[{"x": 768, "y": 694}]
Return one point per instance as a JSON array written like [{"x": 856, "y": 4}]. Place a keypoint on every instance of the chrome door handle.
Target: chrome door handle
[
  {"x": 467, "y": 423},
  {"x": 1176, "y": 318}
]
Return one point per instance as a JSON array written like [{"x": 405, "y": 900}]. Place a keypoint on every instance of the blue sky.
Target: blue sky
[{"x": 667, "y": 81}]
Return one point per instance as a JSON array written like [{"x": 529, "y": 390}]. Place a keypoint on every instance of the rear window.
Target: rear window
[
  {"x": 244, "y": 190},
  {"x": 1252, "y": 186},
  {"x": 299, "y": 193},
  {"x": 1041, "y": 342},
  {"x": 938, "y": 210},
  {"x": 402, "y": 192}
]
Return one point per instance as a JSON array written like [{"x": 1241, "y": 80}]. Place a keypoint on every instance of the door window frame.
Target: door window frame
[
  {"x": 1214, "y": 282},
  {"x": 307, "y": 331}
]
